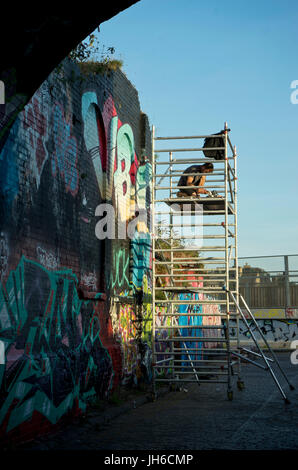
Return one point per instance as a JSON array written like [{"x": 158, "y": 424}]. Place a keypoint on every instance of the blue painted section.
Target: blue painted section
[
  {"x": 191, "y": 320},
  {"x": 140, "y": 254}
]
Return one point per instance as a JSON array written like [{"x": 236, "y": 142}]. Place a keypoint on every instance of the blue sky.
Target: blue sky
[{"x": 197, "y": 64}]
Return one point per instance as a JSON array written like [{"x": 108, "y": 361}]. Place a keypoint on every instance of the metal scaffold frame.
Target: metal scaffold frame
[{"x": 185, "y": 280}]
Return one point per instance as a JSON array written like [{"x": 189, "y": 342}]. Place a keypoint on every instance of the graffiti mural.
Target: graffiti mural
[
  {"x": 35, "y": 123},
  {"x": 141, "y": 258},
  {"x": 191, "y": 319},
  {"x": 122, "y": 180},
  {"x": 4, "y": 254},
  {"x": 54, "y": 359},
  {"x": 278, "y": 333},
  {"x": 163, "y": 347},
  {"x": 73, "y": 147},
  {"x": 95, "y": 137},
  {"x": 9, "y": 171},
  {"x": 209, "y": 318},
  {"x": 47, "y": 258},
  {"x": 141, "y": 242},
  {"x": 65, "y": 155},
  {"x": 273, "y": 313},
  {"x": 119, "y": 276},
  {"x": 125, "y": 331}
]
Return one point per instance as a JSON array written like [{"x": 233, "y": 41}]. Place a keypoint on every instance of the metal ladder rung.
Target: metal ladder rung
[
  {"x": 178, "y": 314},
  {"x": 190, "y": 339},
  {"x": 186, "y": 137},
  {"x": 192, "y": 225},
  {"x": 191, "y": 302},
  {"x": 192, "y": 212},
  {"x": 214, "y": 351},
  {"x": 199, "y": 149},
  {"x": 191, "y": 381},
  {"x": 192, "y": 199},
  {"x": 208, "y": 327},
  {"x": 200, "y": 270},
  {"x": 188, "y": 372},
  {"x": 189, "y": 289},
  {"x": 189, "y": 260},
  {"x": 184, "y": 363},
  {"x": 203, "y": 361},
  {"x": 163, "y": 188},
  {"x": 201, "y": 237}
]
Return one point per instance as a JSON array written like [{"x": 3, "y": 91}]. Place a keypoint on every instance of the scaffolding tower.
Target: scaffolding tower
[{"x": 195, "y": 287}]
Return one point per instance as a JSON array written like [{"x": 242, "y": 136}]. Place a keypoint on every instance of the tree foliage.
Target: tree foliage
[{"x": 163, "y": 243}]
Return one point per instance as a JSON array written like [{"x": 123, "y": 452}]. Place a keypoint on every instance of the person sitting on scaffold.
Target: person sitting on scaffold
[{"x": 194, "y": 180}]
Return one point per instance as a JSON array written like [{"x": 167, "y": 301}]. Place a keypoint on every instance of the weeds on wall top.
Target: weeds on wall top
[{"x": 93, "y": 58}]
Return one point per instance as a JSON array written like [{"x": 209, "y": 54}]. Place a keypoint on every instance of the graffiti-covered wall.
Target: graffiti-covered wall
[
  {"x": 279, "y": 327},
  {"x": 73, "y": 171}
]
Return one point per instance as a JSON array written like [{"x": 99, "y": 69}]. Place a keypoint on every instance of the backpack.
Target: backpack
[{"x": 210, "y": 142}]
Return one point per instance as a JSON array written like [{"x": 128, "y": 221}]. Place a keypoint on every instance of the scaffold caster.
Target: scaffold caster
[
  {"x": 230, "y": 395},
  {"x": 240, "y": 385}
]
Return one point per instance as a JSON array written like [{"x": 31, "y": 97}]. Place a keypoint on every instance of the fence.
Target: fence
[{"x": 269, "y": 281}]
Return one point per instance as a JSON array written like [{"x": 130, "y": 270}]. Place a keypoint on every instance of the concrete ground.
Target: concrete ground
[{"x": 200, "y": 418}]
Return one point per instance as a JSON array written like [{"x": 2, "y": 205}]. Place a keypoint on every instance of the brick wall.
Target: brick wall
[{"x": 79, "y": 143}]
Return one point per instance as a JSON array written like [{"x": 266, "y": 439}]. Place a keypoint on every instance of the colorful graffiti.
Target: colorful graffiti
[
  {"x": 65, "y": 154},
  {"x": 210, "y": 312},
  {"x": 125, "y": 330},
  {"x": 119, "y": 275},
  {"x": 54, "y": 357},
  {"x": 273, "y": 313},
  {"x": 9, "y": 170},
  {"x": 4, "y": 254},
  {"x": 35, "y": 123},
  {"x": 63, "y": 157},
  {"x": 132, "y": 329},
  {"x": 89, "y": 280},
  {"x": 140, "y": 258},
  {"x": 122, "y": 181},
  {"x": 144, "y": 186},
  {"x": 191, "y": 319},
  {"x": 163, "y": 347},
  {"x": 116, "y": 167},
  {"x": 48, "y": 259},
  {"x": 95, "y": 137},
  {"x": 278, "y": 333}
]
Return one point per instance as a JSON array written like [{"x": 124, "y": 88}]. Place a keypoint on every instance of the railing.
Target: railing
[{"x": 269, "y": 281}]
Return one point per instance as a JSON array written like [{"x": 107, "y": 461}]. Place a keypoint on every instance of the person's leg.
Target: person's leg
[{"x": 186, "y": 192}]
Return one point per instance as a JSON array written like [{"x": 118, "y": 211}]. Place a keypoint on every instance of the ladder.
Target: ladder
[{"x": 195, "y": 286}]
